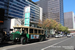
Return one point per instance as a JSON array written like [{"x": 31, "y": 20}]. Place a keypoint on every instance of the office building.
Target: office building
[
  {"x": 52, "y": 9},
  {"x": 73, "y": 21},
  {"x": 69, "y": 20},
  {"x": 16, "y": 9}
]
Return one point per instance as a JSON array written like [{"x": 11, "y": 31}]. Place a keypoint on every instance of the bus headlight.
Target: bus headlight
[{"x": 16, "y": 38}]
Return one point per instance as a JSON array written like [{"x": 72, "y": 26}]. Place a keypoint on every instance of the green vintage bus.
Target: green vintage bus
[{"x": 25, "y": 34}]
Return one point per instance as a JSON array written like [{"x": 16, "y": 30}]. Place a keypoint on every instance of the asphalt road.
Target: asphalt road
[{"x": 52, "y": 44}]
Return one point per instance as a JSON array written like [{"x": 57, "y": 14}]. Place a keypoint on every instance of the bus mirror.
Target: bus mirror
[{"x": 11, "y": 29}]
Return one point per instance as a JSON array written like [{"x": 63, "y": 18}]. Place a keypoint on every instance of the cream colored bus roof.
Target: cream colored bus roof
[{"x": 28, "y": 27}]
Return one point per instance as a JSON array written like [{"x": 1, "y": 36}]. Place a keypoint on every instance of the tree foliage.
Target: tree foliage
[{"x": 52, "y": 24}]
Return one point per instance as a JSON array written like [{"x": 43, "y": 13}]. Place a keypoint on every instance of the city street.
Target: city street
[
  {"x": 37, "y": 25},
  {"x": 51, "y": 44}
]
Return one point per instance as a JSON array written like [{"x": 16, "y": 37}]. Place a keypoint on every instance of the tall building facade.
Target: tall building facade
[
  {"x": 16, "y": 9},
  {"x": 74, "y": 22},
  {"x": 52, "y": 9},
  {"x": 69, "y": 20}
]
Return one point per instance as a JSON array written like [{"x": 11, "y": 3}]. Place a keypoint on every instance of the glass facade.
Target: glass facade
[
  {"x": 15, "y": 8},
  {"x": 34, "y": 14},
  {"x": 52, "y": 9},
  {"x": 61, "y": 13}
]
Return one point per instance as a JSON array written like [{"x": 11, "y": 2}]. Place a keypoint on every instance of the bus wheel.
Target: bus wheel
[
  {"x": 23, "y": 40},
  {"x": 41, "y": 39},
  {"x": 14, "y": 42}
]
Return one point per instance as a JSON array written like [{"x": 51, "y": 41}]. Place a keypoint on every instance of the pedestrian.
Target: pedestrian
[{"x": 72, "y": 36}]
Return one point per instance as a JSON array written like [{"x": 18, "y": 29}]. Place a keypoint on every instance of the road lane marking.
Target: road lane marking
[
  {"x": 54, "y": 44},
  {"x": 20, "y": 45},
  {"x": 14, "y": 46}
]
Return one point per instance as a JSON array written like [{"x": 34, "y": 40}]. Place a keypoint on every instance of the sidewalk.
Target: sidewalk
[
  {"x": 50, "y": 38},
  {"x": 9, "y": 45}
]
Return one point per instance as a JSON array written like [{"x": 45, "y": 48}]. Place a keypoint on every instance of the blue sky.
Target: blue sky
[
  {"x": 68, "y": 5},
  {"x": 35, "y": 0}
]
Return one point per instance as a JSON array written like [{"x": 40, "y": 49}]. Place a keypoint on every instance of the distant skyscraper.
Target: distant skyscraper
[
  {"x": 52, "y": 9},
  {"x": 74, "y": 22},
  {"x": 69, "y": 20}
]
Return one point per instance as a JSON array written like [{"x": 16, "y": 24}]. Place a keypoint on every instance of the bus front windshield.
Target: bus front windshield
[{"x": 17, "y": 29}]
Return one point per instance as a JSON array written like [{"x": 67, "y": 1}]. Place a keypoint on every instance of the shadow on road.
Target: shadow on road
[
  {"x": 6, "y": 44},
  {"x": 10, "y": 43}
]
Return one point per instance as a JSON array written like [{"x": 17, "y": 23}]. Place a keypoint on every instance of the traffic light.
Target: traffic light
[{"x": 2, "y": 11}]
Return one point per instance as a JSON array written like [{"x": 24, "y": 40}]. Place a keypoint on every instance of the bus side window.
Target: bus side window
[
  {"x": 31, "y": 31},
  {"x": 42, "y": 31},
  {"x": 25, "y": 30},
  {"x": 35, "y": 31},
  {"x": 39, "y": 32},
  {"x": 22, "y": 31}
]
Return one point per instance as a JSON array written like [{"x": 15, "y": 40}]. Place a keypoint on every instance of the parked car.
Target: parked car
[
  {"x": 57, "y": 36},
  {"x": 69, "y": 35},
  {"x": 61, "y": 35}
]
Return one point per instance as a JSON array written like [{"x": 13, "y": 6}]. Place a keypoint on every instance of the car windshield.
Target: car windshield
[{"x": 68, "y": 34}]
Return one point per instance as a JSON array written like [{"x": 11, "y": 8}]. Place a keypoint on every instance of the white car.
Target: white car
[
  {"x": 69, "y": 35},
  {"x": 60, "y": 35},
  {"x": 57, "y": 36}
]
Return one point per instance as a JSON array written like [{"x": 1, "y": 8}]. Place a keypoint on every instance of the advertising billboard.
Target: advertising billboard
[
  {"x": 27, "y": 16},
  {"x": 34, "y": 36},
  {"x": 27, "y": 9}
]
